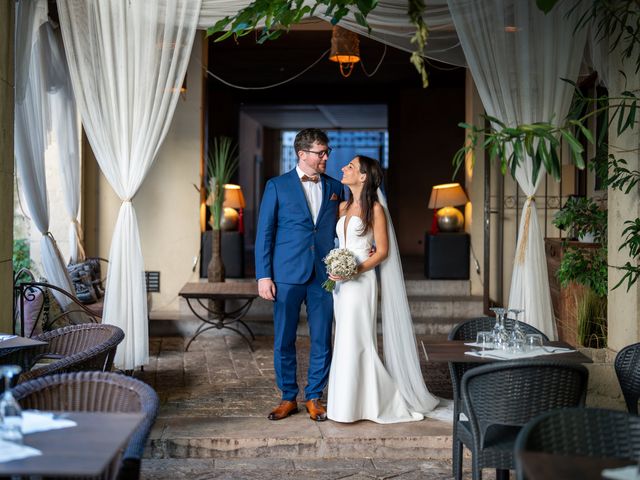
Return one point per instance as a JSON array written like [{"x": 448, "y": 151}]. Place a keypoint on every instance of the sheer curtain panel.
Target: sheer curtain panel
[
  {"x": 518, "y": 57},
  {"x": 127, "y": 61},
  {"x": 32, "y": 126}
]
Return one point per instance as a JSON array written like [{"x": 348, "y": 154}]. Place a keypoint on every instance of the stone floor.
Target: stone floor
[{"x": 212, "y": 421}]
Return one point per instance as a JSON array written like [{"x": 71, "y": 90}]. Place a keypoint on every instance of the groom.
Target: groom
[{"x": 296, "y": 230}]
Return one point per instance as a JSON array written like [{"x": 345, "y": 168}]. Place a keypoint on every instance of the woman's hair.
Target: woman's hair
[{"x": 372, "y": 169}]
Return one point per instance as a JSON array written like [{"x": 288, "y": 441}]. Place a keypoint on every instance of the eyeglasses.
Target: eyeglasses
[{"x": 321, "y": 153}]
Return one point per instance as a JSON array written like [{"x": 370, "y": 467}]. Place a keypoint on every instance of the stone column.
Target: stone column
[
  {"x": 623, "y": 311},
  {"x": 7, "y": 12}
]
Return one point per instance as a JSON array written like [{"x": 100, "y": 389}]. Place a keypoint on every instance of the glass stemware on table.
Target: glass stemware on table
[
  {"x": 517, "y": 336},
  {"x": 499, "y": 332},
  {"x": 10, "y": 411}
]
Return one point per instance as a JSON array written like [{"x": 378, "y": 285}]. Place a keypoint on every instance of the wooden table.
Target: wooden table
[
  {"x": 205, "y": 291},
  {"x": 453, "y": 351},
  {"x": 18, "y": 343},
  {"x": 85, "y": 450},
  {"x": 545, "y": 466}
]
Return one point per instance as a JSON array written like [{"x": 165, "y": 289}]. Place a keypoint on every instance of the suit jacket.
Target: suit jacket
[{"x": 289, "y": 247}]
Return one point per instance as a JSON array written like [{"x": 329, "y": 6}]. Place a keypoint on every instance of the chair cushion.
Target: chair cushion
[{"x": 33, "y": 313}]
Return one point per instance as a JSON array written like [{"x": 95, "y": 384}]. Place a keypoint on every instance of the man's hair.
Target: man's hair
[{"x": 307, "y": 137}]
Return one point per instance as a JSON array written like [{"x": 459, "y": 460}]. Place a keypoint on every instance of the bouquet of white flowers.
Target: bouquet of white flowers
[{"x": 340, "y": 262}]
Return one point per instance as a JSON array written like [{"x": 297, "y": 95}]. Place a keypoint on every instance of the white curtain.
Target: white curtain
[
  {"x": 127, "y": 61},
  {"x": 64, "y": 124},
  {"x": 32, "y": 125},
  {"x": 518, "y": 56},
  {"x": 389, "y": 22}
]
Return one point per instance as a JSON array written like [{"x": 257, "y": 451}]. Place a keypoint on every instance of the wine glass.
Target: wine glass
[
  {"x": 10, "y": 411},
  {"x": 516, "y": 339},
  {"x": 500, "y": 336}
]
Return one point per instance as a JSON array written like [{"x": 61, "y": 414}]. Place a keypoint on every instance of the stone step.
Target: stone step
[
  {"x": 427, "y": 306},
  {"x": 438, "y": 287},
  {"x": 296, "y": 437}
]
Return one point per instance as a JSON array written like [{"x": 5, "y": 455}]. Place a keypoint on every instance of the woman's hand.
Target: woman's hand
[{"x": 335, "y": 278}]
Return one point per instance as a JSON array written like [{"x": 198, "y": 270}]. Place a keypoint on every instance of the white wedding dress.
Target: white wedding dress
[{"x": 360, "y": 387}]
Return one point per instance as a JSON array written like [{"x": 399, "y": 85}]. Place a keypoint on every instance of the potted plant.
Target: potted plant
[
  {"x": 586, "y": 266},
  {"x": 222, "y": 163}
]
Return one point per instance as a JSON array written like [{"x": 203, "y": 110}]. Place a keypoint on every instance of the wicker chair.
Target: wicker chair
[
  {"x": 468, "y": 331},
  {"x": 627, "y": 365},
  {"x": 88, "y": 346},
  {"x": 501, "y": 397},
  {"x": 589, "y": 432},
  {"x": 97, "y": 392}
]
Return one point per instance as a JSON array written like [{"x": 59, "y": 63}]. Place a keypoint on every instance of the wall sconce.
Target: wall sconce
[
  {"x": 446, "y": 217},
  {"x": 345, "y": 49},
  {"x": 233, "y": 208}
]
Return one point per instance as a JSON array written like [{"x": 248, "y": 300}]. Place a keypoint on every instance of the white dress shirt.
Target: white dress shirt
[{"x": 313, "y": 193}]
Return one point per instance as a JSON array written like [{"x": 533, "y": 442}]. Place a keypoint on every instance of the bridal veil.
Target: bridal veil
[{"x": 399, "y": 340}]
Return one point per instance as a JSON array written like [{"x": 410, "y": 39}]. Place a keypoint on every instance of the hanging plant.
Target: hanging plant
[{"x": 277, "y": 17}]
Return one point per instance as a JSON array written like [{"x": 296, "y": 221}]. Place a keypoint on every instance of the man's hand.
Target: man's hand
[{"x": 267, "y": 289}]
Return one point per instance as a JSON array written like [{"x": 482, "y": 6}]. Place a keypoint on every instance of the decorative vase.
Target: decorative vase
[{"x": 215, "y": 270}]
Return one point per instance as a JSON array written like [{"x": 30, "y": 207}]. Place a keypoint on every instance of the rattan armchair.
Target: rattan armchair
[
  {"x": 501, "y": 397},
  {"x": 627, "y": 365},
  {"x": 468, "y": 331},
  {"x": 88, "y": 346},
  {"x": 97, "y": 392},
  {"x": 587, "y": 432}
]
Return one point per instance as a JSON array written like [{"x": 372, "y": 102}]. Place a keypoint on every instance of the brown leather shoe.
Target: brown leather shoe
[
  {"x": 316, "y": 410},
  {"x": 283, "y": 410}
]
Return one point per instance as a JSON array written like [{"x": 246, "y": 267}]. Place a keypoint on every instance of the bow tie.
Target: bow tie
[{"x": 314, "y": 179}]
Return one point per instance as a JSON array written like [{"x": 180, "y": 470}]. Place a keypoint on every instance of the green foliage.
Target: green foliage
[
  {"x": 581, "y": 216},
  {"x": 278, "y": 16},
  {"x": 617, "y": 21},
  {"x": 591, "y": 313},
  {"x": 416, "y": 9},
  {"x": 586, "y": 266},
  {"x": 221, "y": 165},
  {"x": 546, "y": 5},
  {"x": 511, "y": 145},
  {"x": 21, "y": 254}
]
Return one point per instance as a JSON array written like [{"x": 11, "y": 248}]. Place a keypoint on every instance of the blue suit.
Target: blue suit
[{"x": 290, "y": 250}]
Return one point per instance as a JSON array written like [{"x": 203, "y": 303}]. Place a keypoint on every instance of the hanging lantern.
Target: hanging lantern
[{"x": 345, "y": 49}]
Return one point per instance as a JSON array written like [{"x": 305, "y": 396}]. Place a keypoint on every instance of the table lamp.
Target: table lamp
[
  {"x": 233, "y": 208},
  {"x": 447, "y": 218}
]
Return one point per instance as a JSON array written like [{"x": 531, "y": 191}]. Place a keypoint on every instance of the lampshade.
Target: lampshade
[
  {"x": 233, "y": 197},
  {"x": 345, "y": 49},
  {"x": 447, "y": 195}
]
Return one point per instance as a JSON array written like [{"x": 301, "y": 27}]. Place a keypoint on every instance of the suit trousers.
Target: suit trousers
[{"x": 286, "y": 315}]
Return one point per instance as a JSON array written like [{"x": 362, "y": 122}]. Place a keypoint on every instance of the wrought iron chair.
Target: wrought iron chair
[
  {"x": 97, "y": 392},
  {"x": 501, "y": 397},
  {"x": 88, "y": 346},
  {"x": 588, "y": 432},
  {"x": 468, "y": 331},
  {"x": 627, "y": 365}
]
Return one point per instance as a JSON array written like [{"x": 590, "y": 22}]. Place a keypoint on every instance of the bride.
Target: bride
[{"x": 360, "y": 387}]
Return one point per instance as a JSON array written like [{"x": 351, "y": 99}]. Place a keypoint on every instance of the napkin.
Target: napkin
[
  {"x": 505, "y": 355},
  {"x": 35, "y": 421},
  {"x": 4, "y": 337},
  {"x": 623, "y": 473},
  {"x": 12, "y": 451}
]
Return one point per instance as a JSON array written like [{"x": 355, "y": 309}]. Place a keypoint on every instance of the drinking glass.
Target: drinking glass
[
  {"x": 533, "y": 341},
  {"x": 517, "y": 330},
  {"x": 485, "y": 340},
  {"x": 500, "y": 336},
  {"x": 10, "y": 411}
]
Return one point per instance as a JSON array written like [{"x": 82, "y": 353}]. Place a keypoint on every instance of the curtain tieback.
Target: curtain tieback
[{"x": 525, "y": 231}]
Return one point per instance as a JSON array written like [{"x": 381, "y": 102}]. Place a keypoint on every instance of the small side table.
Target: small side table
[
  {"x": 246, "y": 291},
  {"x": 446, "y": 256}
]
